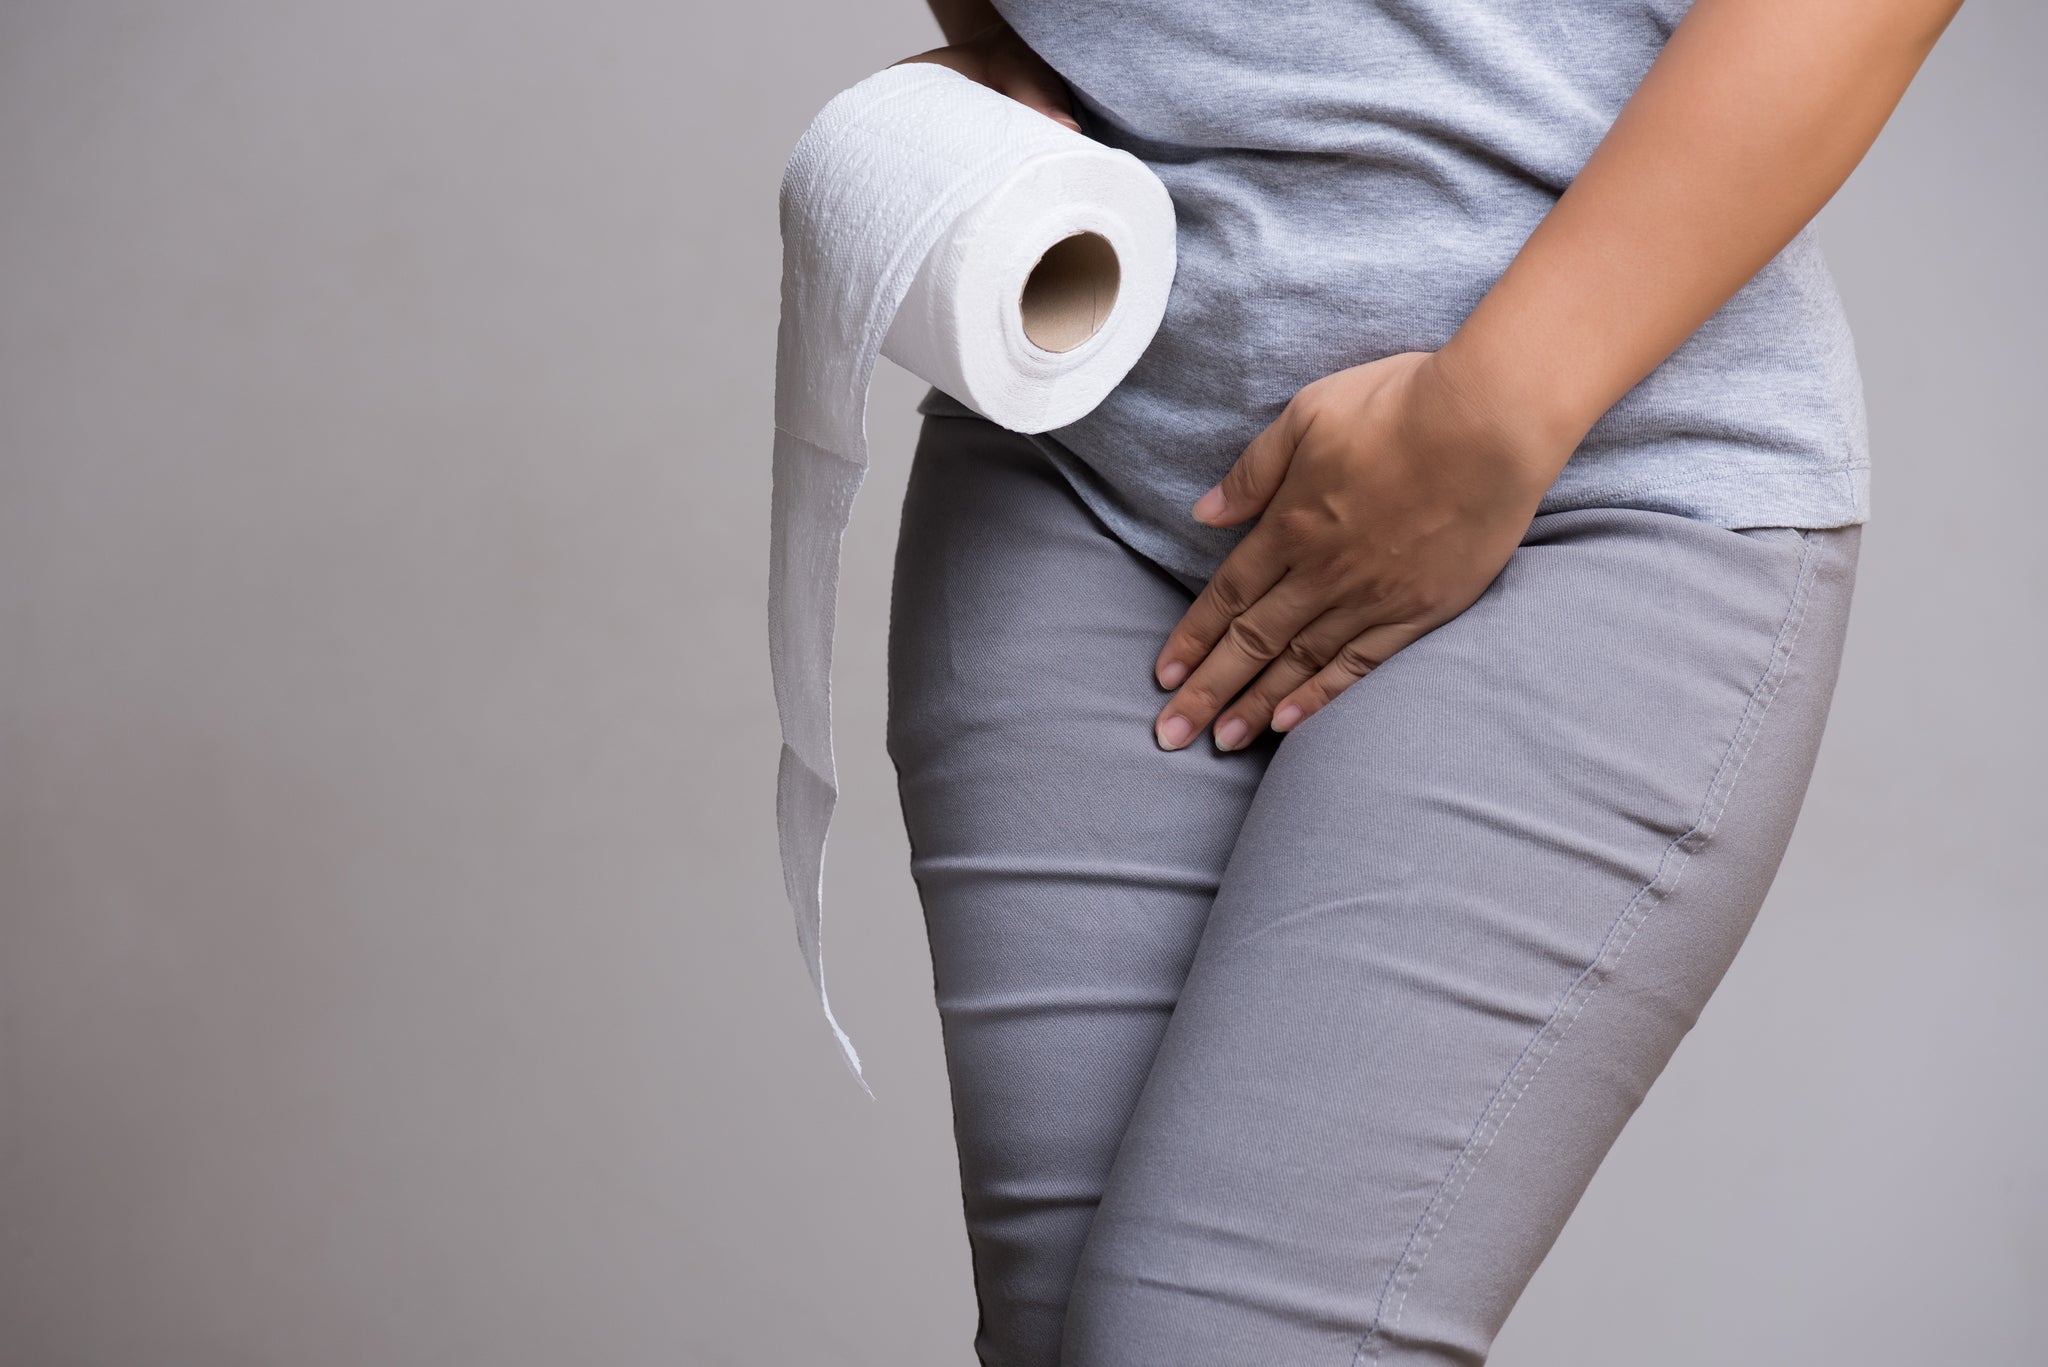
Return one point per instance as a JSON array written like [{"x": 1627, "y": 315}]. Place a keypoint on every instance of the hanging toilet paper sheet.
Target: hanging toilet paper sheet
[{"x": 996, "y": 254}]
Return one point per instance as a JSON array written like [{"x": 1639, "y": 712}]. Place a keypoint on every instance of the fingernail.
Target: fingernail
[
  {"x": 1286, "y": 717},
  {"x": 1210, "y": 504},
  {"x": 1174, "y": 731},
  {"x": 1172, "y": 674},
  {"x": 1232, "y": 734}
]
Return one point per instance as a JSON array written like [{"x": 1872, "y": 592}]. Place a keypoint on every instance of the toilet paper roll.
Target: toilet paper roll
[{"x": 1015, "y": 264}]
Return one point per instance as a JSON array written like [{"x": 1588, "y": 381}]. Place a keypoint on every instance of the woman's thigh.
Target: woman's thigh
[
  {"x": 1065, "y": 863},
  {"x": 1476, "y": 902}
]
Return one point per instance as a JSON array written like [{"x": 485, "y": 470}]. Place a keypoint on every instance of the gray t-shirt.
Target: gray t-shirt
[{"x": 1350, "y": 179}]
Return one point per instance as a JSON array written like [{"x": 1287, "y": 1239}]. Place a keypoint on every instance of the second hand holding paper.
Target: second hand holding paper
[{"x": 1013, "y": 263}]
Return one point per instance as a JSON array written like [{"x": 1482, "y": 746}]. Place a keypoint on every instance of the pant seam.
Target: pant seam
[{"x": 1671, "y": 867}]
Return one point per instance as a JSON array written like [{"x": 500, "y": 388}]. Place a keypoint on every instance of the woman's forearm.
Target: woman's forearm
[
  {"x": 960, "y": 20},
  {"x": 1749, "y": 120}
]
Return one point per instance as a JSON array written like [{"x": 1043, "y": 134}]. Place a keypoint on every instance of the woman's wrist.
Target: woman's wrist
[{"x": 1491, "y": 410}]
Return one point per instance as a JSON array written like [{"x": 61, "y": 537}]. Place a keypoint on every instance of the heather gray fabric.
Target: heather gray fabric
[
  {"x": 1302, "y": 1054},
  {"x": 1350, "y": 179}
]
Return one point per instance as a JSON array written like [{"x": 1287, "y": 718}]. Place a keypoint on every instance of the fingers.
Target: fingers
[
  {"x": 1354, "y": 660},
  {"x": 1246, "y": 575},
  {"x": 1045, "y": 107},
  {"x": 1025, "y": 77},
  {"x": 1303, "y": 657},
  {"x": 1029, "y": 89},
  {"x": 1253, "y": 478},
  {"x": 1252, "y": 567},
  {"x": 1246, "y": 644},
  {"x": 1323, "y": 659},
  {"x": 998, "y": 59}
]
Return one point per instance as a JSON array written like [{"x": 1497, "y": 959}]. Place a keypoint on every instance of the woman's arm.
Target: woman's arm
[
  {"x": 1392, "y": 493},
  {"x": 1746, "y": 124}
]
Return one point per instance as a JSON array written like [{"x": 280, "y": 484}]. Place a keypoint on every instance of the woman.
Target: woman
[{"x": 1503, "y": 539}]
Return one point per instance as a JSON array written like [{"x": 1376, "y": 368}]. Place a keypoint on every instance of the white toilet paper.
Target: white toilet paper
[{"x": 1017, "y": 265}]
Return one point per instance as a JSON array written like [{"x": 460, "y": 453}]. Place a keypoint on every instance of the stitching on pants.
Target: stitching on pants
[{"x": 1673, "y": 863}]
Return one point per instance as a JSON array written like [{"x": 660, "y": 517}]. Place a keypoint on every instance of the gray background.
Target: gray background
[{"x": 393, "y": 960}]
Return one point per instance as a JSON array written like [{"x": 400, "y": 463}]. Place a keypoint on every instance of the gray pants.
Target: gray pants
[{"x": 1301, "y": 1055}]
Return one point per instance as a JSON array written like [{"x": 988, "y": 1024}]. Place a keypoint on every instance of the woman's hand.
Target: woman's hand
[
  {"x": 1000, "y": 60},
  {"x": 1392, "y": 494}
]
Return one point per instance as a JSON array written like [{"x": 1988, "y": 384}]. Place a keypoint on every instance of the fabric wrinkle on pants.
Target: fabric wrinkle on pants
[{"x": 1303, "y": 1054}]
